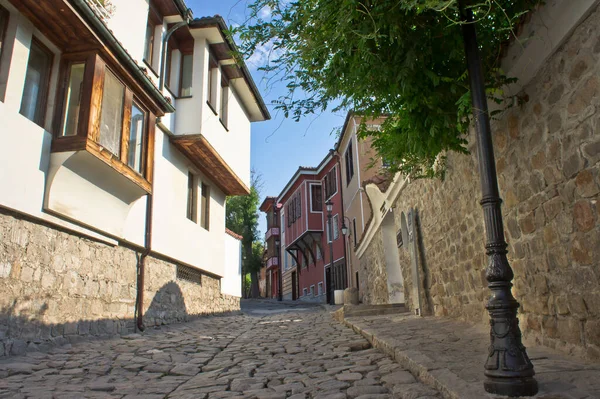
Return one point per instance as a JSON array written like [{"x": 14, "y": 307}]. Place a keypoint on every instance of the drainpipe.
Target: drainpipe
[
  {"x": 163, "y": 58},
  {"x": 142, "y": 265}
]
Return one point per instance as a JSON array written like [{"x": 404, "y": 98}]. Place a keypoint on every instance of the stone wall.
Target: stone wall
[
  {"x": 56, "y": 286},
  {"x": 548, "y": 153}
]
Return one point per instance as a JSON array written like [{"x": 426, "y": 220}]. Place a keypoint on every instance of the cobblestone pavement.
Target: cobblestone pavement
[
  {"x": 272, "y": 351},
  {"x": 438, "y": 349}
]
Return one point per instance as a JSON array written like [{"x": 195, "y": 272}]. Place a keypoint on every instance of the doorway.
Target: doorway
[
  {"x": 328, "y": 285},
  {"x": 294, "y": 286},
  {"x": 395, "y": 281}
]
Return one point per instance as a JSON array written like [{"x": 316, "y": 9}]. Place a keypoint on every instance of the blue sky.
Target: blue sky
[{"x": 280, "y": 145}]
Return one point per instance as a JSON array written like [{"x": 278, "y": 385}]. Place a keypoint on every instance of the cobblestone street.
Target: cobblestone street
[{"x": 271, "y": 351}]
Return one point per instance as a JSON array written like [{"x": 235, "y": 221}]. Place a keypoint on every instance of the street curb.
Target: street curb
[{"x": 422, "y": 367}]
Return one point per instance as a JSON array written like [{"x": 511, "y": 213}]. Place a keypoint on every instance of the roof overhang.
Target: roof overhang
[
  {"x": 224, "y": 50},
  {"x": 204, "y": 156}
]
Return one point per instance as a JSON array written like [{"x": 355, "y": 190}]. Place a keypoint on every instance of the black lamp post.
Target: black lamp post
[
  {"x": 508, "y": 369},
  {"x": 348, "y": 270},
  {"x": 280, "y": 267},
  {"x": 329, "y": 206}
]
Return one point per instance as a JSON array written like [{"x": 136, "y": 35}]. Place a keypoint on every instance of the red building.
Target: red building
[
  {"x": 272, "y": 242},
  {"x": 306, "y": 249}
]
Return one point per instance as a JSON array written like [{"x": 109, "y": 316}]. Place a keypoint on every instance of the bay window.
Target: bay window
[{"x": 101, "y": 114}]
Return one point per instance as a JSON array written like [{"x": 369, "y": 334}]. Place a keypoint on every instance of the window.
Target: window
[
  {"x": 304, "y": 292},
  {"x": 187, "y": 63},
  {"x": 192, "y": 197},
  {"x": 149, "y": 48},
  {"x": 328, "y": 231},
  {"x": 101, "y": 115},
  {"x": 282, "y": 222},
  {"x": 318, "y": 251},
  {"x": 330, "y": 183},
  {"x": 349, "y": 163},
  {"x": 211, "y": 85},
  {"x": 316, "y": 196},
  {"x": 111, "y": 117},
  {"x": 354, "y": 229},
  {"x": 205, "y": 207},
  {"x": 312, "y": 290},
  {"x": 37, "y": 79},
  {"x": 3, "y": 25},
  {"x": 224, "y": 101},
  {"x": 294, "y": 208},
  {"x": 136, "y": 138},
  {"x": 336, "y": 230},
  {"x": 73, "y": 99},
  {"x": 320, "y": 288}
]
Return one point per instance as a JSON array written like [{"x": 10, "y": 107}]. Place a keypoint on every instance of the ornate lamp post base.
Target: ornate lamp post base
[{"x": 508, "y": 369}]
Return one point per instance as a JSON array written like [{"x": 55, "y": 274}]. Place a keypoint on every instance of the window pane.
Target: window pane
[
  {"x": 224, "y": 101},
  {"x": 186, "y": 75},
  {"x": 149, "y": 43},
  {"x": 136, "y": 138},
  {"x": 205, "y": 206},
  {"x": 73, "y": 99},
  {"x": 3, "y": 23},
  {"x": 111, "y": 118},
  {"x": 191, "y": 198},
  {"x": 36, "y": 82}
]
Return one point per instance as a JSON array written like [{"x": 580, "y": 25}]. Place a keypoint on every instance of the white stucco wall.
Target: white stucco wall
[
  {"x": 174, "y": 235},
  {"x": 231, "y": 284},
  {"x": 128, "y": 24}
]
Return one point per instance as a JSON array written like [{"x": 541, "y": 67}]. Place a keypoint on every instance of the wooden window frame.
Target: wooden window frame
[
  {"x": 88, "y": 129},
  {"x": 42, "y": 106},
  {"x": 211, "y": 94}
]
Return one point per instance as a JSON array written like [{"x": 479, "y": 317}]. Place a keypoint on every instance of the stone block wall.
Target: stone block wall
[
  {"x": 56, "y": 286},
  {"x": 548, "y": 162}
]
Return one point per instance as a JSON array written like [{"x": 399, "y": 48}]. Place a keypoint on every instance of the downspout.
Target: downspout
[
  {"x": 163, "y": 58},
  {"x": 142, "y": 264}
]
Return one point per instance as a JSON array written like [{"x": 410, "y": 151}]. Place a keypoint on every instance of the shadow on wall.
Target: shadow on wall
[{"x": 23, "y": 325}]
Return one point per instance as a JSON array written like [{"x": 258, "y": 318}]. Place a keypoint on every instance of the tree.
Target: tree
[
  {"x": 400, "y": 58},
  {"x": 241, "y": 217}
]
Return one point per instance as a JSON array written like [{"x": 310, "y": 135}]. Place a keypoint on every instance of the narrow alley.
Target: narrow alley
[{"x": 272, "y": 350}]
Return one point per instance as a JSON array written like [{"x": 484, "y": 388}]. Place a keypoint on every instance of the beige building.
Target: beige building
[{"x": 359, "y": 165}]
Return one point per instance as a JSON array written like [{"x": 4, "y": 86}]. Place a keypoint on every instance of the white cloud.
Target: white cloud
[{"x": 265, "y": 12}]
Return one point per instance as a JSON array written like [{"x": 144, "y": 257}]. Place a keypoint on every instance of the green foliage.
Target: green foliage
[
  {"x": 241, "y": 217},
  {"x": 400, "y": 58}
]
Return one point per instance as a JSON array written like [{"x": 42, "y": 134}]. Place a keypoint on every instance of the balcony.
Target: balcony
[
  {"x": 272, "y": 262},
  {"x": 273, "y": 231}
]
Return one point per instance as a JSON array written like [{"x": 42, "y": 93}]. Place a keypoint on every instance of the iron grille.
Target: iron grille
[{"x": 189, "y": 274}]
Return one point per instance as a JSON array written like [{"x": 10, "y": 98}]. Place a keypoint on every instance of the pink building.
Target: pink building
[{"x": 313, "y": 256}]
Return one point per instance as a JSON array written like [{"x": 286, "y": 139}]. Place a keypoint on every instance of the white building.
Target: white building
[{"x": 123, "y": 130}]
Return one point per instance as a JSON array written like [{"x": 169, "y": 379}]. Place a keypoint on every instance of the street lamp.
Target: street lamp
[
  {"x": 279, "y": 282},
  {"x": 329, "y": 206},
  {"x": 508, "y": 369}
]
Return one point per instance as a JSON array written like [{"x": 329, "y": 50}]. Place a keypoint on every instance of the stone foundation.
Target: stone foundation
[
  {"x": 56, "y": 286},
  {"x": 548, "y": 163}
]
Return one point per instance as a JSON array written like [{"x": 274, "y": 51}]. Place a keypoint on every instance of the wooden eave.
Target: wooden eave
[{"x": 203, "y": 155}]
